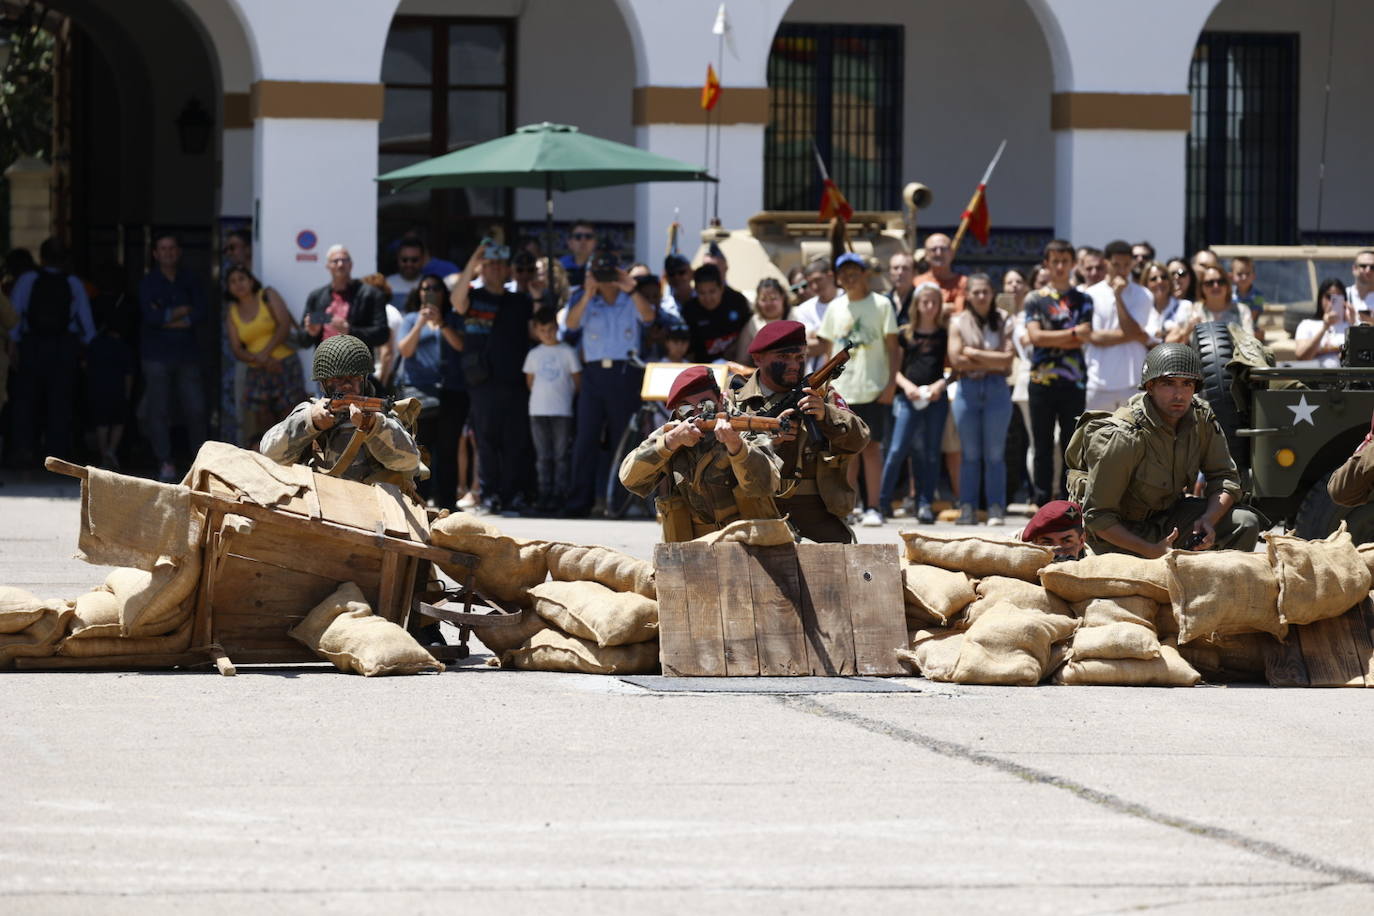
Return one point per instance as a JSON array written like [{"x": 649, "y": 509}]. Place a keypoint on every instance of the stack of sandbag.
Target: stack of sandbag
[
  {"x": 342, "y": 629},
  {"x": 30, "y": 627},
  {"x": 1319, "y": 579},
  {"x": 510, "y": 566}
]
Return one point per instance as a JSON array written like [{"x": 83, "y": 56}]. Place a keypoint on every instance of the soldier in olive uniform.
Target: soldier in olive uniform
[
  {"x": 1352, "y": 484},
  {"x": 816, "y": 495},
  {"x": 1130, "y": 468},
  {"x": 715, "y": 477},
  {"x": 387, "y": 452}
]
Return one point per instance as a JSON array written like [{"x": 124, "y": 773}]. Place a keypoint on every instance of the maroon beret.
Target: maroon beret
[
  {"x": 689, "y": 382},
  {"x": 775, "y": 335},
  {"x": 1057, "y": 515}
]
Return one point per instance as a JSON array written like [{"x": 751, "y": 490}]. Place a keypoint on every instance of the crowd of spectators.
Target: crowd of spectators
[{"x": 970, "y": 387}]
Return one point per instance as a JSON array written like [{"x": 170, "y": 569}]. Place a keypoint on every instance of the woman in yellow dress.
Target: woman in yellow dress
[{"x": 258, "y": 323}]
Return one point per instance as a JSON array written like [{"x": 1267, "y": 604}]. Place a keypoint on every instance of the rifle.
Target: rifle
[
  {"x": 746, "y": 423},
  {"x": 340, "y": 403},
  {"x": 816, "y": 381}
]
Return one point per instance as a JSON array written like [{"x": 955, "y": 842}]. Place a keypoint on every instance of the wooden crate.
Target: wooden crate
[
  {"x": 731, "y": 610},
  {"x": 1338, "y": 652}
]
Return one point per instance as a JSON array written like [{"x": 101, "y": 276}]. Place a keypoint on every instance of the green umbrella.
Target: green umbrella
[{"x": 555, "y": 157}]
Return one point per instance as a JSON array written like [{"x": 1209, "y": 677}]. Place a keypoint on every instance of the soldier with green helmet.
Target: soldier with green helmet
[
  {"x": 1130, "y": 469},
  {"x": 374, "y": 447}
]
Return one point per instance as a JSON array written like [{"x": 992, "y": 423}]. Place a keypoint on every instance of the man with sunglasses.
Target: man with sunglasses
[
  {"x": 581, "y": 248},
  {"x": 1361, "y": 293},
  {"x": 677, "y": 276},
  {"x": 414, "y": 261},
  {"x": 815, "y": 495},
  {"x": 715, "y": 476},
  {"x": 345, "y": 305}
]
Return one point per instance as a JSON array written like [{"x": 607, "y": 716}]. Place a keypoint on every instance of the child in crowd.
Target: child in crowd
[
  {"x": 554, "y": 375},
  {"x": 676, "y": 344},
  {"x": 1244, "y": 291}
]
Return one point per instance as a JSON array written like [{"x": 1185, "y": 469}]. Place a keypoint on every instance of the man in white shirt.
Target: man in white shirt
[
  {"x": 1118, "y": 344},
  {"x": 820, "y": 282},
  {"x": 1360, "y": 294}
]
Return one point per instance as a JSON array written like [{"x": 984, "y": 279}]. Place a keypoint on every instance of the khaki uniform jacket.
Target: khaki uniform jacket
[
  {"x": 709, "y": 487},
  {"x": 804, "y": 459},
  {"x": 389, "y": 453},
  {"x": 1352, "y": 483},
  {"x": 1139, "y": 466}
]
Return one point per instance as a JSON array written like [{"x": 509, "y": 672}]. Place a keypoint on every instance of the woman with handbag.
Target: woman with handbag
[{"x": 257, "y": 325}]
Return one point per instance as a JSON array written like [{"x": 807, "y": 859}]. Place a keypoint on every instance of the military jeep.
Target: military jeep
[{"x": 1290, "y": 425}]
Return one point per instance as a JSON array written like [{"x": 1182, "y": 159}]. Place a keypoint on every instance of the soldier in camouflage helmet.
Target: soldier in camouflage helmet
[
  {"x": 387, "y": 452},
  {"x": 1131, "y": 468},
  {"x": 714, "y": 477}
]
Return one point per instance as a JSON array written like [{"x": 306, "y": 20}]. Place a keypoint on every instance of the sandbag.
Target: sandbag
[
  {"x": 96, "y": 614},
  {"x": 342, "y": 629},
  {"x": 20, "y": 609},
  {"x": 976, "y": 556},
  {"x": 1113, "y": 641},
  {"x": 757, "y": 532},
  {"x": 510, "y": 566},
  {"x": 155, "y": 603},
  {"x": 550, "y": 650},
  {"x": 934, "y": 595},
  {"x": 504, "y": 638},
  {"x": 1168, "y": 670},
  {"x": 1239, "y": 659},
  {"x": 1317, "y": 579},
  {"x": 1107, "y": 575},
  {"x": 1007, "y": 645},
  {"x": 114, "y": 646},
  {"x": 934, "y": 653},
  {"x": 618, "y": 571},
  {"x": 1137, "y": 609},
  {"x": 1366, "y": 552},
  {"x": 592, "y": 611},
  {"x": 1017, "y": 592},
  {"x": 1222, "y": 592},
  {"x": 39, "y": 639}
]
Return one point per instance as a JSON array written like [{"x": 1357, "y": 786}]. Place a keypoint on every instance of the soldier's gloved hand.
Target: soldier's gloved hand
[
  {"x": 683, "y": 434},
  {"x": 361, "y": 418},
  {"x": 320, "y": 417},
  {"x": 728, "y": 436}
]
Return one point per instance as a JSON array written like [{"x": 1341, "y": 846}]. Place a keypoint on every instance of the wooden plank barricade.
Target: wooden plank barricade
[
  {"x": 733, "y": 610},
  {"x": 1338, "y": 652}
]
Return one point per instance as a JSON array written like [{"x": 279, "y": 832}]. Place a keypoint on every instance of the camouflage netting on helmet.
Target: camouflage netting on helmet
[
  {"x": 1171, "y": 359},
  {"x": 341, "y": 356}
]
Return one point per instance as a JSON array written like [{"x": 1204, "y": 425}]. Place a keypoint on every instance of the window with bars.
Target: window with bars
[
  {"x": 450, "y": 83},
  {"x": 841, "y": 87},
  {"x": 1243, "y": 148}
]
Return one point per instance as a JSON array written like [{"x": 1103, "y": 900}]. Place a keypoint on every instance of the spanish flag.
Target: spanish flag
[
  {"x": 833, "y": 203},
  {"x": 979, "y": 222},
  {"x": 710, "y": 92}
]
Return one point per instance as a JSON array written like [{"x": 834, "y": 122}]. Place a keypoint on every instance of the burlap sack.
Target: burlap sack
[
  {"x": 550, "y": 650},
  {"x": 105, "y": 646},
  {"x": 343, "y": 630},
  {"x": 758, "y": 532},
  {"x": 1222, "y": 592},
  {"x": 1366, "y": 552},
  {"x": 1168, "y": 670},
  {"x": 618, "y": 571},
  {"x": 1007, "y": 645},
  {"x": 97, "y": 614},
  {"x": 1317, "y": 579},
  {"x": 20, "y": 610},
  {"x": 155, "y": 603},
  {"x": 1239, "y": 659},
  {"x": 510, "y": 566},
  {"x": 934, "y": 595},
  {"x": 1112, "y": 641},
  {"x": 976, "y": 556},
  {"x": 1099, "y": 612},
  {"x": 1017, "y": 592},
  {"x": 504, "y": 638},
  {"x": 592, "y": 611},
  {"x": 39, "y": 639},
  {"x": 1107, "y": 575},
  {"x": 933, "y": 653}
]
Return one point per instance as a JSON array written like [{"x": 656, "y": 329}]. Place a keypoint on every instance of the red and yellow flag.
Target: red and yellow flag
[
  {"x": 710, "y": 92},
  {"x": 833, "y": 203},
  {"x": 979, "y": 222}
]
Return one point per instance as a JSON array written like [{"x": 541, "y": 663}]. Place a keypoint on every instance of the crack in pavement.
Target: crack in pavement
[{"x": 1263, "y": 848}]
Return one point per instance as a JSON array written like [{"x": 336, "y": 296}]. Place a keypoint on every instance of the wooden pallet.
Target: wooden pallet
[
  {"x": 730, "y": 610},
  {"x": 1338, "y": 652}
]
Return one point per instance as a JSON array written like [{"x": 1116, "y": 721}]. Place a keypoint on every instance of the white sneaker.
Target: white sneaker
[
  {"x": 994, "y": 521},
  {"x": 872, "y": 519}
]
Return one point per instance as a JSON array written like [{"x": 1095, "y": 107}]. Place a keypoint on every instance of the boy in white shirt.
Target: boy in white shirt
[{"x": 553, "y": 374}]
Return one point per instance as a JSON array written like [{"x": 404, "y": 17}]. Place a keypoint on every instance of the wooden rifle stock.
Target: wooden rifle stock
[
  {"x": 341, "y": 403},
  {"x": 747, "y": 423}
]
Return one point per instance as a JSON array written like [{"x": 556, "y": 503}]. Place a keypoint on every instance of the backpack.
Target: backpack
[
  {"x": 50, "y": 304},
  {"x": 1086, "y": 445}
]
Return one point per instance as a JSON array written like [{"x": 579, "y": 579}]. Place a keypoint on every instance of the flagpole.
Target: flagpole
[
  {"x": 706, "y": 162},
  {"x": 973, "y": 202},
  {"x": 720, "y": 78}
]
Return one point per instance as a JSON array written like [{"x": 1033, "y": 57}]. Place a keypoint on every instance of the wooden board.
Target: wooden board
[
  {"x": 740, "y": 611},
  {"x": 1338, "y": 652},
  {"x": 318, "y": 554},
  {"x": 256, "y": 604}
]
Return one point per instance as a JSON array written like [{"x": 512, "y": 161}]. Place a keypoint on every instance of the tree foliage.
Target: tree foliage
[{"x": 26, "y": 89}]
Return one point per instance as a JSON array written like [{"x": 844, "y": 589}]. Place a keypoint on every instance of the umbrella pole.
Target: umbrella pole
[{"x": 552, "y": 288}]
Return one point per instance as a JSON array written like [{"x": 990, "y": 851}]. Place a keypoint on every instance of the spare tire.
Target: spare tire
[{"x": 1212, "y": 341}]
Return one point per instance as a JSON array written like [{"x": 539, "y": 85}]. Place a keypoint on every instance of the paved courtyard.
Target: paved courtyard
[{"x": 290, "y": 789}]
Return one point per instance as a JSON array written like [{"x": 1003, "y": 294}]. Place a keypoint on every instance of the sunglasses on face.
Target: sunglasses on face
[
  {"x": 1180, "y": 273},
  {"x": 1364, "y": 266},
  {"x": 409, "y": 260},
  {"x": 1214, "y": 282},
  {"x": 582, "y": 235}
]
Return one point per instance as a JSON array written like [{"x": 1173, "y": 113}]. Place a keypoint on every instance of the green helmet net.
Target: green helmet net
[
  {"x": 1171, "y": 359},
  {"x": 340, "y": 356}
]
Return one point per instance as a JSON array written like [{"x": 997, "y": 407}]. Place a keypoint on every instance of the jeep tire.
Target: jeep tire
[{"x": 1212, "y": 340}]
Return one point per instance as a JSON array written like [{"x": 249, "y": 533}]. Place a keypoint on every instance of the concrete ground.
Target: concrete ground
[{"x": 291, "y": 789}]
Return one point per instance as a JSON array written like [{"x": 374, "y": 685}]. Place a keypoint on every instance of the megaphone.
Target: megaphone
[{"x": 916, "y": 196}]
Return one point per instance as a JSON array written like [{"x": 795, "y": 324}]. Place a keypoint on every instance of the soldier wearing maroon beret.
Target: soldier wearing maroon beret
[
  {"x": 1059, "y": 526},
  {"x": 714, "y": 476},
  {"x": 815, "y": 493}
]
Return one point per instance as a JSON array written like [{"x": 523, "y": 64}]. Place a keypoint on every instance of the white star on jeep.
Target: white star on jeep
[{"x": 1302, "y": 411}]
